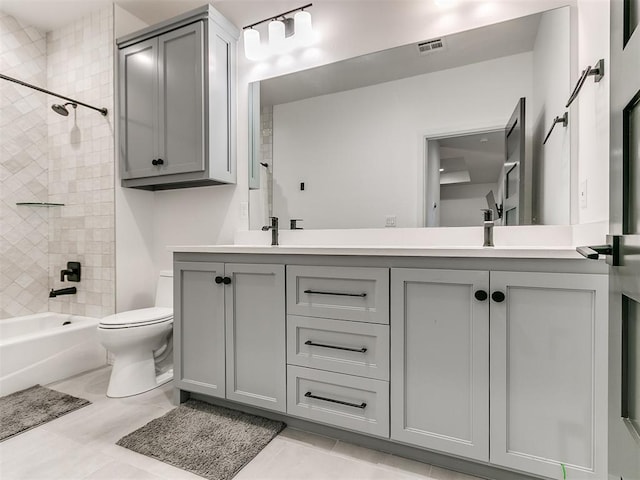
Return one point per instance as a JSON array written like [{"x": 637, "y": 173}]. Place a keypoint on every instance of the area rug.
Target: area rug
[
  {"x": 210, "y": 441},
  {"x": 26, "y": 409}
]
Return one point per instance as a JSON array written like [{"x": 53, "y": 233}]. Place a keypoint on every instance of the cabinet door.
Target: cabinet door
[
  {"x": 199, "y": 341},
  {"x": 138, "y": 120},
  {"x": 440, "y": 360},
  {"x": 181, "y": 102},
  {"x": 549, "y": 373},
  {"x": 255, "y": 323}
]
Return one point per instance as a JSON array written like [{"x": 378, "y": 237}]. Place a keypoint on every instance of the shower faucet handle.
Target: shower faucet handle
[{"x": 72, "y": 272}]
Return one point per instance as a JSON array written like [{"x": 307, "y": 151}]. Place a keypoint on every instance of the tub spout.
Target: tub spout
[{"x": 63, "y": 291}]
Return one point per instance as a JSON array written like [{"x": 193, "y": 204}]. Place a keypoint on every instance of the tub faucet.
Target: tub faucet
[
  {"x": 63, "y": 291},
  {"x": 488, "y": 227},
  {"x": 274, "y": 230}
]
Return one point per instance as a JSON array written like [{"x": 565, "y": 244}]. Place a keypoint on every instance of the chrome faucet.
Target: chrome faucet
[
  {"x": 274, "y": 230},
  {"x": 488, "y": 227}
]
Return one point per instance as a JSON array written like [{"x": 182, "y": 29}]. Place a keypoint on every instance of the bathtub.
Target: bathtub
[{"x": 46, "y": 347}]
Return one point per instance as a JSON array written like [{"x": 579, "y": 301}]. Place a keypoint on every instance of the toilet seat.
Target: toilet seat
[{"x": 137, "y": 318}]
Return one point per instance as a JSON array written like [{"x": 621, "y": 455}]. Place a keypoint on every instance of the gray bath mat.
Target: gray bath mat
[
  {"x": 23, "y": 410},
  {"x": 210, "y": 441}
]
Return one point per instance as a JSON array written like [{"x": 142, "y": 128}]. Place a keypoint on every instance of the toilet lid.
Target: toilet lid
[{"x": 138, "y": 318}]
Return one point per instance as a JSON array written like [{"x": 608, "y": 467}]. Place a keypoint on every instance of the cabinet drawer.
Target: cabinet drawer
[
  {"x": 354, "y": 348},
  {"x": 343, "y": 293},
  {"x": 355, "y": 403}
]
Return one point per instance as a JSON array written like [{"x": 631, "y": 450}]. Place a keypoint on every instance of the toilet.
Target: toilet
[{"x": 142, "y": 342}]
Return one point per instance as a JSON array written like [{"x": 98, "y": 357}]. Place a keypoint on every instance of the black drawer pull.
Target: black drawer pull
[
  {"x": 362, "y": 405},
  {"x": 348, "y": 349},
  {"x": 219, "y": 280},
  {"x": 342, "y": 294}
]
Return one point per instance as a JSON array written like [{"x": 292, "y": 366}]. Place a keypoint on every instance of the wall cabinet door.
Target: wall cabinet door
[
  {"x": 440, "y": 360},
  {"x": 199, "y": 340},
  {"x": 549, "y": 373},
  {"x": 255, "y": 327},
  {"x": 181, "y": 101},
  {"x": 138, "y": 109}
]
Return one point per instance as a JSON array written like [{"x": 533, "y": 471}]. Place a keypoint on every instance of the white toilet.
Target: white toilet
[{"x": 142, "y": 343}]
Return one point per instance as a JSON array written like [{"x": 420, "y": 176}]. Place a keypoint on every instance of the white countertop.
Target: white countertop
[{"x": 391, "y": 251}]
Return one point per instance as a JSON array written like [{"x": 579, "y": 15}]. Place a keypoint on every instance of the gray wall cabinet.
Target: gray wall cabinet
[
  {"x": 230, "y": 332},
  {"x": 177, "y": 103}
]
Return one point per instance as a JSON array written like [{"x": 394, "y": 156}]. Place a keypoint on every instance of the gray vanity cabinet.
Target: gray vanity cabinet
[
  {"x": 176, "y": 103},
  {"x": 440, "y": 360},
  {"x": 230, "y": 332}
]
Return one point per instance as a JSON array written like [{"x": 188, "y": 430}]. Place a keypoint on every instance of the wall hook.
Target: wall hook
[
  {"x": 597, "y": 72},
  {"x": 564, "y": 120}
]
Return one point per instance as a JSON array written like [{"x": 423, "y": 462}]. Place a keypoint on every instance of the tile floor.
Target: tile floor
[{"x": 81, "y": 445}]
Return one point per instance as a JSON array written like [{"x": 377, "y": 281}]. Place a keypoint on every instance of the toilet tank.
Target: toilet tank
[{"x": 164, "y": 290}]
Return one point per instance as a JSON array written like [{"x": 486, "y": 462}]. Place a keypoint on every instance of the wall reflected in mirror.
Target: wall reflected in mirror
[{"x": 345, "y": 145}]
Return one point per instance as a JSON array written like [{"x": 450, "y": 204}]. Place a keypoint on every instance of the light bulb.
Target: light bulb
[
  {"x": 252, "y": 48},
  {"x": 304, "y": 30},
  {"x": 276, "y": 36}
]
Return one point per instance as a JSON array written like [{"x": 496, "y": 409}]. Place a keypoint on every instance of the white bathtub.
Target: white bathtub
[{"x": 41, "y": 348}]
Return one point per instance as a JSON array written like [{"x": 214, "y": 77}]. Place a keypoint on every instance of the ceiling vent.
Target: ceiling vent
[{"x": 437, "y": 44}]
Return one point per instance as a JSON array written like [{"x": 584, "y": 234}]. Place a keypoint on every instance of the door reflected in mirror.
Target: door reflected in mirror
[{"x": 356, "y": 133}]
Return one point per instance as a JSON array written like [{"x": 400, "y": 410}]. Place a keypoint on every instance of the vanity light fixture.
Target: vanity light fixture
[{"x": 285, "y": 34}]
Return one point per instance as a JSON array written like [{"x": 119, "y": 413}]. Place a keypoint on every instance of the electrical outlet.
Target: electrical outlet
[
  {"x": 390, "y": 221},
  {"x": 583, "y": 194}
]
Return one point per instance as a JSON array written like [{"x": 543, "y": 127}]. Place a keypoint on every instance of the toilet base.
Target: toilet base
[{"x": 135, "y": 373}]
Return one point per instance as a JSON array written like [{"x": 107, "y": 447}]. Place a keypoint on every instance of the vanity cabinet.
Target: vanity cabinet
[
  {"x": 230, "y": 332},
  {"x": 503, "y": 367},
  {"x": 177, "y": 102},
  {"x": 440, "y": 360}
]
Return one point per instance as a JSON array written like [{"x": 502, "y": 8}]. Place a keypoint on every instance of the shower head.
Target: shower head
[{"x": 62, "y": 109}]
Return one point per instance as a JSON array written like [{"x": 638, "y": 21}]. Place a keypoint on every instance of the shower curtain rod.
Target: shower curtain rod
[{"x": 103, "y": 111}]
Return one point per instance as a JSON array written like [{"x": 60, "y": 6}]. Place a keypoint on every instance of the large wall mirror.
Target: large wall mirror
[{"x": 422, "y": 135}]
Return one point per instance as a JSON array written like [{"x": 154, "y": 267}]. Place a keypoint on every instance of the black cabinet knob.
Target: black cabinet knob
[
  {"x": 226, "y": 280},
  {"x": 219, "y": 280},
  {"x": 158, "y": 161},
  {"x": 498, "y": 296},
  {"x": 481, "y": 295}
]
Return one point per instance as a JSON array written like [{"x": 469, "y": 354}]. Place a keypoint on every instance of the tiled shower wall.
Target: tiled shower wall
[
  {"x": 23, "y": 171},
  {"x": 47, "y": 157},
  {"x": 81, "y": 164}
]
